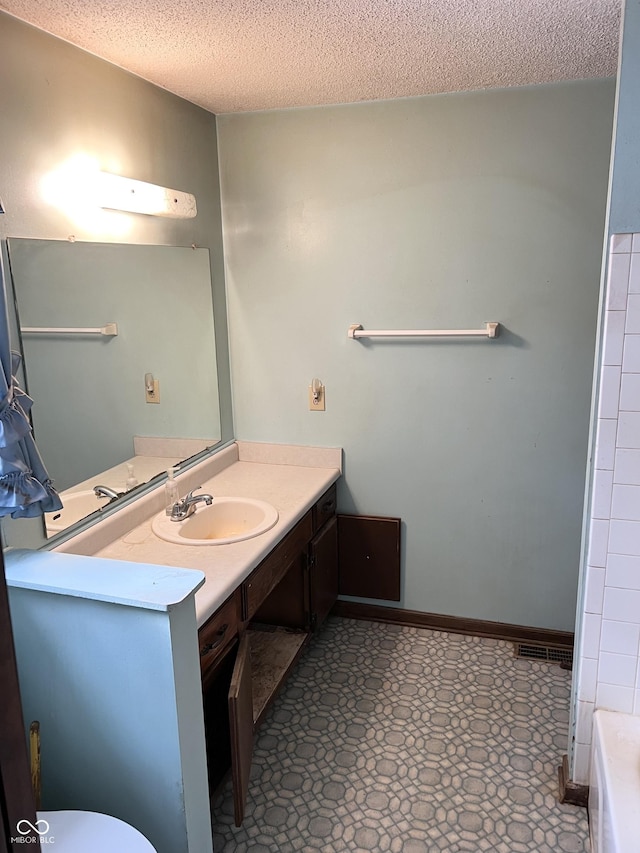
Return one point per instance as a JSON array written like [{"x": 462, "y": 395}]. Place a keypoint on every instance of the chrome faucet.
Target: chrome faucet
[
  {"x": 106, "y": 492},
  {"x": 187, "y": 506}
]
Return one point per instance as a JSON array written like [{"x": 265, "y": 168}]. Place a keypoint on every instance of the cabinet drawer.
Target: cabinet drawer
[
  {"x": 325, "y": 508},
  {"x": 218, "y": 631},
  {"x": 274, "y": 567}
]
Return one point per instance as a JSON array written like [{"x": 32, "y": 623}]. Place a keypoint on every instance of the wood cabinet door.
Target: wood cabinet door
[
  {"x": 241, "y": 727},
  {"x": 369, "y": 556},
  {"x": 323, "y": 572}
]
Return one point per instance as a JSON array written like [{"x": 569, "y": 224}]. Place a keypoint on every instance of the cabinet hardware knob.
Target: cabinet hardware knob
[{"x": 216, "y": 643}]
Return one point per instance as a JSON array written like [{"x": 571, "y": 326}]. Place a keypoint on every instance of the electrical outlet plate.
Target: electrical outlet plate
[
  {"x": 316, "y": 406},
  {"x": 154, "y": 396}
]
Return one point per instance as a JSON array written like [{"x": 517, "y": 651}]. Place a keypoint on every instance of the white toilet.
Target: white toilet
[{"x": 78, "y": 832}]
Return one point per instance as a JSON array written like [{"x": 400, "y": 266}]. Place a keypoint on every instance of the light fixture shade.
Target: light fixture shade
[{"x": 117, "y": 193}]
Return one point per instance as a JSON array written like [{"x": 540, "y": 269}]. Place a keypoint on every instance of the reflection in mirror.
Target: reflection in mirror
[{"x": 115, "y": 409}]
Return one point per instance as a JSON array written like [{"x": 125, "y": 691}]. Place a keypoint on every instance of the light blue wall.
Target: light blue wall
[
  {"x": 624, "y": 210},
  {"x": 432, "y": 212}
]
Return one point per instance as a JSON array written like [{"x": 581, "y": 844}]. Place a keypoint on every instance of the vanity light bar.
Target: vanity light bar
[
  {"x": 490, "y": 331},
  {"x": 110, "y": 329},
  {"x": 117, "y": 193}
]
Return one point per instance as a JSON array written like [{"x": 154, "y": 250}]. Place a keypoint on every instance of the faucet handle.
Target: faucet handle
[{"x": 187, "y": 506}]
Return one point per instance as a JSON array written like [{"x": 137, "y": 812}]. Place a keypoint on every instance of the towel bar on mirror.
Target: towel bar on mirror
[{"x": 110, "y": 329}]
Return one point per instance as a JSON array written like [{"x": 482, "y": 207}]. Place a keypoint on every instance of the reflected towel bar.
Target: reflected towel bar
[
  {"x": 110, "y": 329},
  {"x": 490, "y": 331}
]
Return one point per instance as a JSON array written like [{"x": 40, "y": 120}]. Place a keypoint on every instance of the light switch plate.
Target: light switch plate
[
  {"x": 154, "y": 396},
  {"x": 316, "y": 406}
]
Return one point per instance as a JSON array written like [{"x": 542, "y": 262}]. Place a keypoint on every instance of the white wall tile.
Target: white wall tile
[
  {"x": 625, "y": 502},
  {"x": 609, "y": 669},
  {"x": 618, "y": 282},
  {"x": 613, "y": 341},
  {"x": 632, "y": 324},
  {"x": 605, "y": 449},
  {"x": 615, "y": 698},
  {"x": 602, "y": 492},
  {"x": 621, "y": 605},
  {"x": 621, "y": 638},
  {"x": 617, "y": 669},
  {"x": 610, "y": 391},
  {"x": 629, "y": 393},
  {"x": 626, "y": 468},
  {"x": 621, "y": 243},
  {"x": 598, "y": 538},
  {"x": 623, "y": 571},
  {"x": 631, "y": 354},
  {"x": 624, "y": 537},
  {"x": 588, "y": 679},
  {"x": 628, "y": 430},
  {"x": 581, "y": 763},
  {"x": 594, "y": 595},
  {"x": 590, "y": 641}
]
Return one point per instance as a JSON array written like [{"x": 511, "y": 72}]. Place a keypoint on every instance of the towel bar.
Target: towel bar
[
  {"x": 110, "y": 329},
  {"x": 490, "y": 331}
]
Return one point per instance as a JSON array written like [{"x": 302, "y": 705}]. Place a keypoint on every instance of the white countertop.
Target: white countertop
[
  {"x": 148, "y": 587},
  {"x": 120, "y": 560},
  {"x": 291, "y": 488}
]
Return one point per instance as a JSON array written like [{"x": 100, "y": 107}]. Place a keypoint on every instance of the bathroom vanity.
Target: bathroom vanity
[
  {"x": 263, "y": 596},
  {"x": 170, "y": 644},
  {"x": 248, "y": 646}
]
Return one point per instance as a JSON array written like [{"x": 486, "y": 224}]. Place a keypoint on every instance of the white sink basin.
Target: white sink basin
[
  {"x": 225, "y": 520},
  {"x": 74, "y": 507}
]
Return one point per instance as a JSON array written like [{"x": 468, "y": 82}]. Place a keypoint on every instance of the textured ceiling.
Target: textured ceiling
[{"x": 234, "y": 55}]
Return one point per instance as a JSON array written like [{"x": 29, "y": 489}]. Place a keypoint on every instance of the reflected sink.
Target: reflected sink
[
  {"x": 74, "y": 507},
  {"x": 226, "y": 520}
]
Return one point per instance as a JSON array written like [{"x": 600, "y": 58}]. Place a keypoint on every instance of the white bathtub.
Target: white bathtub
[{"x": 614, "y": 783}]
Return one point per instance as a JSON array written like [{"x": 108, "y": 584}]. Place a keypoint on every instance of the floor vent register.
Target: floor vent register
[{"x": 552, "y": 654}]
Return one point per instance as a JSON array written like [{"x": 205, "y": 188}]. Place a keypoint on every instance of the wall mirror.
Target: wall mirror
[{"x": 110, "y": 409}]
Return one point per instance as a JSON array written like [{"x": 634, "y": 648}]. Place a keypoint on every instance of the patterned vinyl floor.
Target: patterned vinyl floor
[{"x": 411, "y": 741}]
